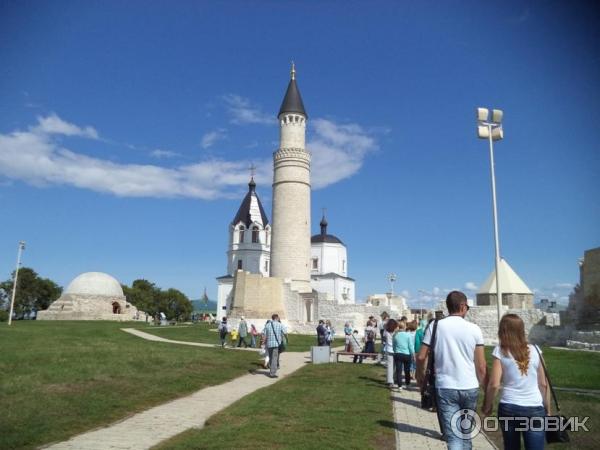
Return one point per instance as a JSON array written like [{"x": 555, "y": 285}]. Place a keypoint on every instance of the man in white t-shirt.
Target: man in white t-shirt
[{"x": 459, "y": 366}]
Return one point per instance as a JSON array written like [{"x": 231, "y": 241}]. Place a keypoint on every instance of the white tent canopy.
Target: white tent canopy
[{"x": 510, "y": 282}]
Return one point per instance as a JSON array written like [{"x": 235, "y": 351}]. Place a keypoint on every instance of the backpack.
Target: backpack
[
  {"x": 370, "y": 335},
  {"x": 223, "y": 329}
]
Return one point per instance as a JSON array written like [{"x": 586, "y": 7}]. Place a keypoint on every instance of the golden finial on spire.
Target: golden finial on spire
[{"x": 293, "y": 71}]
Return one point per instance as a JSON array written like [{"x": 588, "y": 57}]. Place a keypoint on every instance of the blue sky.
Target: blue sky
[{"x": 127, "y": 129}]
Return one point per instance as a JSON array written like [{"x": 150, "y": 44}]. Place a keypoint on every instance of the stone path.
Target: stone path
[
  {"x": 417, "y": 429},
  {"x": 152, "y": 337},
  {"x": 148, "y": 428}
]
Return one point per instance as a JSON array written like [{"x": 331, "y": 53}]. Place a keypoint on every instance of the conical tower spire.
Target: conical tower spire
[{"x": 292, "y": 102}]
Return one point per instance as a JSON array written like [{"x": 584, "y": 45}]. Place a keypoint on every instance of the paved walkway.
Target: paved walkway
[
  {"x": 152, "y": 337},
  {"x": 148, "y": 428},
  {"x": 417, "y": 429}
]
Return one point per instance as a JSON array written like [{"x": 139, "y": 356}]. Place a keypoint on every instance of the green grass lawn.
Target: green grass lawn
[
  {"x": 326, "y": 406},
  {"x": 573, "y": 369},
  {"x": 207, "y": 334},
  {"x": 58, "y": 379}
]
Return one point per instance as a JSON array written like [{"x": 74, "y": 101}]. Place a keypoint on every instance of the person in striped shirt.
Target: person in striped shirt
[{"x": 274, "y": 334}]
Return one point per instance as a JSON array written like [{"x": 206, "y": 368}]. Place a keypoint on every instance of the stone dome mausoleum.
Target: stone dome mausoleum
[
  {"x": 95, "y": 283},
  {"x": 92, "y": 296}
]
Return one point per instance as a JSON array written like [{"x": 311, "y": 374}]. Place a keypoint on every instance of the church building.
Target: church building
[
  {"x": 329, "y": 267},
  {"x": 249, "y": 245},
  {"x": 280, "y": 268}
]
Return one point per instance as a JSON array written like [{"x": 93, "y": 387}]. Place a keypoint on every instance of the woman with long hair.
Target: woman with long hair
[
  {"x": 388, "y": 350},
  {"x": 517, "y": 368}
]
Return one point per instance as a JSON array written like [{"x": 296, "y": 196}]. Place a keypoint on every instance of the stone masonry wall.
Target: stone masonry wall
[{"x": 540, "y": 327}]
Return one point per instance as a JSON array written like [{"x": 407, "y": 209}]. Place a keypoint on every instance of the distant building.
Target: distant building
[
  {"x": 395, "y": 303},
  {"x": 584, "y": 302},
  {"x": 548, "y": 305},
  {"x": 329, "y": 267},
  {"x": 92, "y": 296},
  {"x": 515, "y": 293}
]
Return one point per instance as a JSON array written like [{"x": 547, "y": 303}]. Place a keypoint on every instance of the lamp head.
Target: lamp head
[
  {"x": 497, "y": 133},
  {"x": 483, "y": 132},
  {"x": 482, "y": 114},
  {"x": 497, "y": 116}
]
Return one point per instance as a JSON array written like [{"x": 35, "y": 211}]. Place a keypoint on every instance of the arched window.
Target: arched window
[
  {"x": 241, "y": 235},
  {"x": 255, "y": 232}
]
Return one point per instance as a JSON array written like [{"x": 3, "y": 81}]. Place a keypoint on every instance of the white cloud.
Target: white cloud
[
  {"x": 436, "y": 291},
  {"x": 338, "y": 151},
  {"x": 405, "y": 293},
  {"x": 158, "y": 153},
  {"x": 210, "y": 138},
  {"x": 563, "y": 286},
  {"x": 243, "y": 112},
  {"x": 37, "y": 157},
  {"x": 53, "y": 124},
  {"x": 470, "y": 286}
]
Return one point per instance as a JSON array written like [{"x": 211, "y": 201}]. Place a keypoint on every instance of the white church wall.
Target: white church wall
[
  {"x": 253, "y": 261},
  {"x": 335, "y": 288},
  {"x": 346, "y": 287},
  {"x": 224, "y": 288},
  {"x": 331, "y": 258},
  {"x": 326, "y": 286}
]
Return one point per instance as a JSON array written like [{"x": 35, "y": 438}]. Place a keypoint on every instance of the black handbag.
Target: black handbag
[
  {"x": 428, "y": 391},
  {"x": 558, "y": 432},
  {"x": 281, "y": 346}
]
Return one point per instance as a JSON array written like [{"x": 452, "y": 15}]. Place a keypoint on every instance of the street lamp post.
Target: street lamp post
[
  {"x": 392, "y": 279},
  {"x": 14, "y": 290},
  {"x": 492, "y": 131}
]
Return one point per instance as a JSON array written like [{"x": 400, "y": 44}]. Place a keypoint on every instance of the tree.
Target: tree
[
  {"x": 144, "y": 295},
  {"x": 177, "y": 305},
  {"x": 33, "y": 292},
  {"x": 147, "y": 297}
]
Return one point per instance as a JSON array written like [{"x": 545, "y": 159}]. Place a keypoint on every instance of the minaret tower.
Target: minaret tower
[{"x": 290, "y": 243}]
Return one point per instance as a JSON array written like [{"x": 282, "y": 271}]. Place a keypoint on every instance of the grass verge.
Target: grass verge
[
  {"x": 58, "y": 379},
  {"x": 319, "y": 406}
]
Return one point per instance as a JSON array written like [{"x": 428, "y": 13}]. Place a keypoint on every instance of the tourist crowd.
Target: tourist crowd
[{"x": 445, "y": 356}]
